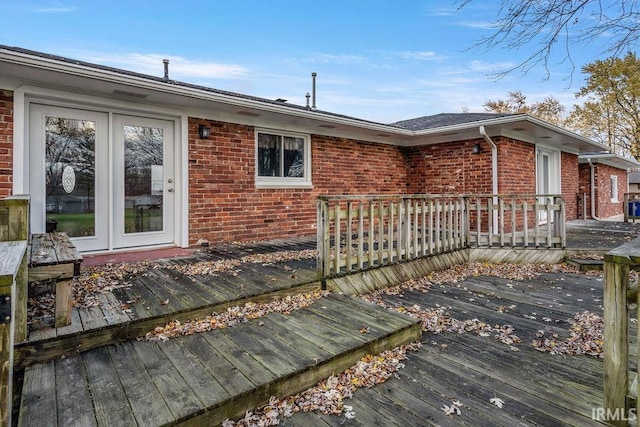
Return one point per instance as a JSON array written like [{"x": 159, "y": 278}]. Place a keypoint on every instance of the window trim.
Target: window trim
[
  {"x": 613, "y": 181},
  {"x": 284, "y": 182}
]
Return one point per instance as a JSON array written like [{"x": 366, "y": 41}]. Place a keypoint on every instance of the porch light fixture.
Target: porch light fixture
[
  {"x": 204, "y": 131},
  {"x": 476, "y": 149}
]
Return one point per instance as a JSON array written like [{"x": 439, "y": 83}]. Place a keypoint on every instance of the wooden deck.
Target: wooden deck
[
  {"x": 186, "y": 297},
  {"x": 205, "y": 378},
  {"x": 538, "y": 389}
]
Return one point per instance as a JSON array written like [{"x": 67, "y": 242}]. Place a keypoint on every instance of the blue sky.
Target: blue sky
[{"x": 381, "y": 60}]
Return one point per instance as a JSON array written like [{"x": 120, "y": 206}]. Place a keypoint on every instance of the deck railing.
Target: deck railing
[
  {"x": 618, "y": 295},
  {"x": 14, "y": 234},
  {"x": 360, "y": 232}
]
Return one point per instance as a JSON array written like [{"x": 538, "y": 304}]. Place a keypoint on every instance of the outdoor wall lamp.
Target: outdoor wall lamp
[
  {"x": 204, "y": 131},
  {"x": 476, "y": 149}
]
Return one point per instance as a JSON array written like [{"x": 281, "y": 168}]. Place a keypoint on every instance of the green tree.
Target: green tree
[
  {"x": 611, "y": 111},
  {"x": 549, "y": 109}
]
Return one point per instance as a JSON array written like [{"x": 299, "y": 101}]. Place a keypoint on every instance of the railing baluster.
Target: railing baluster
[
  {"x": 381, "y": 238},
  {"x": 525, "y": 222},
  {"x": 391, "y": 237},
  {"x": 349, "y": 242},
  {"x": 337, "y": 238},
  {"x": 513, "y": 222},
  {"x": 423, "y": 227},
  {"x": 360, "y": 236},
  {"x": 431, "y": 230},
  {"x": 371, "y": 236},
  {"x": 438, "y": 230}
]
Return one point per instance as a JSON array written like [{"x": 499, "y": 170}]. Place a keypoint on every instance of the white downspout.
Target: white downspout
[
  {"x": 593, "y": 191},
  {"x": 494, "y": 171}
]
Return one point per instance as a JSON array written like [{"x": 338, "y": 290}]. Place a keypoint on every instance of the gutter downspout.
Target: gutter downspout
[
  {"x": 494, "y": 171},
  {"x": 593, "y": 191}
]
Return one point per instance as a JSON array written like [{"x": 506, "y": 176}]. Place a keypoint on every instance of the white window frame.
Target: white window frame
[
  {"x": 285, "y": 182},
  {"x": 613, "y": 179}
]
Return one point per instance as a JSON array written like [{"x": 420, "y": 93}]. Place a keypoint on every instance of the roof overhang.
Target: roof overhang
[
  {"x": 19, "y": 67},
  {"x": 609, "y": 159}
]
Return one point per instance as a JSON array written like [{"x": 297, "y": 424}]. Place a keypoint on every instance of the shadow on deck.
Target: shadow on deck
[{"x": 205, "y": 378}]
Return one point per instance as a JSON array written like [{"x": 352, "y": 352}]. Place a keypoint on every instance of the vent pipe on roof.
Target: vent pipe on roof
[
  {"x": 166, "y": 68},
  {"x": 307, "y": 96},
  {"x": 313, "y": 90}
]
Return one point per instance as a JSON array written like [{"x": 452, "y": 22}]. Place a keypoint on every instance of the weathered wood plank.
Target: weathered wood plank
[
  {"x": 38, "y": 404},
  {"x": 147, "y": 404},
  {"x": 74, "y": 403},
  {"x": 176, "y": 393},
  {"x": 64, "y": 294},
  {"x": 109, "y": 399},
  {"x": 205, "y": 386},
  {"x": 226, "y": 374},
  {"x": 616, "y": 350}
]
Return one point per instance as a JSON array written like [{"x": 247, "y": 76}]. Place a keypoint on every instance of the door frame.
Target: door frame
[
  {"x": 26, "y": 95},
  {"x": 553, "y": 176},
  {"x": 120, "y": 239}
]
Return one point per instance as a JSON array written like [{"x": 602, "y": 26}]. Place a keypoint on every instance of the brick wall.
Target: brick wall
[
  {"x": 225, "y": 205},
  {"x": 516, "y": 166},
  {"x": 584, "y": 172},
  {"x": 449, "y": 168},
  {"x": 570, "y": 179},
  {"x": 6, "y": 143},
  {"x": 604, "y": 207}
]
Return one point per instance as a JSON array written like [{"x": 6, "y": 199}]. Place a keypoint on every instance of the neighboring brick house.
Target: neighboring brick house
[
  {"x": 123, "y": 160},
  {"x": 604, "y": 179}
]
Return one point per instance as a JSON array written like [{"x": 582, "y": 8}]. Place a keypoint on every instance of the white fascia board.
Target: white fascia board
[
  {"x": 80, "y": 70},
  {"x": 610, "y": 159}
]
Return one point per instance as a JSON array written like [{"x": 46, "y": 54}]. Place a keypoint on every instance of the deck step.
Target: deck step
[
  {"x": 586, "y": 264},
  {"x": 206, "y": 378}
]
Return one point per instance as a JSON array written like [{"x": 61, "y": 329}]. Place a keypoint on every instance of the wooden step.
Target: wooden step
[
  {"x": 586, "y": 264},
  {"x": 187, "y": 297},
  {"x": 206, "y": 378}
]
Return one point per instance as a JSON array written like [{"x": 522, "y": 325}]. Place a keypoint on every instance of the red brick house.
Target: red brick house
[
  {"x": 604, "y": 179},
  {"x": 122, "y": 160}
]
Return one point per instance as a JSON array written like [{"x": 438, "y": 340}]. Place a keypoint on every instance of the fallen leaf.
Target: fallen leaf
[{"x": 497, "y": 401}]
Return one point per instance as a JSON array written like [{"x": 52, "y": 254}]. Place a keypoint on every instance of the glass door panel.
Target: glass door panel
[
  {"x": 143, "y": 182},
  {"x": 143, "y": 179},
  {"x": 67, "y": 167},
  {"x": 70, "y": 175}
]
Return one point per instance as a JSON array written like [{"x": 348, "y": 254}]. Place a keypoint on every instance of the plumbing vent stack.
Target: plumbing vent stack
[
  {"x": 313, "y": 91},
  {"x": 166, "y": 68}
]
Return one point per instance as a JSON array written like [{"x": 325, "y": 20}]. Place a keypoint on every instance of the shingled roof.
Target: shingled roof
[{"x": 446, "y": 119}]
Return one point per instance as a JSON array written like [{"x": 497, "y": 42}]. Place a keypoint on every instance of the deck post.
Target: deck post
[
  {"x": 625, "y": 207},
  {"x": 14, "y": 226},
  {"x": 13, "y": 275},
  {"x": 616, "y": 351}
]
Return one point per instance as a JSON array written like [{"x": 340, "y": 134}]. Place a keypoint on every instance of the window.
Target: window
[
  {"x": 614, "y": 188},
  {"x": 282, "y": 160}
]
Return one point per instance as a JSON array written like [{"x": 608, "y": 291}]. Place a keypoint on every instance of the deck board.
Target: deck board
[
  {"x": 208, "y": 376},
  {"x": 145, "y": 400},
  {"x": 161, "y": 294},
  {"x": 74, "y": 406},
  {"x": 538, "y": 388}
]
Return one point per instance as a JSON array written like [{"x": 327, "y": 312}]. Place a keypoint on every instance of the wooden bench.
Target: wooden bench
[{"x": 52, "y": 257}]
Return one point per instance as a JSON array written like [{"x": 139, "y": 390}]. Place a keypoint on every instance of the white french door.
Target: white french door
[
  {"x": 143, "y": 170},
  {"x": 68, "y": 175},
  {"x": 547, "y": 178},
  {"x": 107, "y": 180}
]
